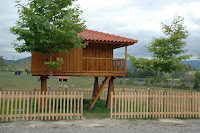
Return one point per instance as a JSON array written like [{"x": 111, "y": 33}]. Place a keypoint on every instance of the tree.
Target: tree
[
  {"x": 47, "y": 26},
  {"x": 196, "y": 80},
  {"x": 167, "y": 52},
  {"x": 2, "y": 63}
]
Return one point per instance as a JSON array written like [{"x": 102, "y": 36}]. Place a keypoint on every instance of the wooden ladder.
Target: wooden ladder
[{"x": 99, "y": 91}]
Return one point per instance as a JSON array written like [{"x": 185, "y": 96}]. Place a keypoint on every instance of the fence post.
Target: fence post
[
  {"x": 149, "y": 101},
  {"x": 111, "y": 107}
]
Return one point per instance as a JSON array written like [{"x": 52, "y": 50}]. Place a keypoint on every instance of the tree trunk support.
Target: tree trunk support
[
  {"x": 110, "y": 90},
  {"x": 96, "y": 87},
  {"x": 43, "y": 89},
  {"x": 96, "y": 97}
]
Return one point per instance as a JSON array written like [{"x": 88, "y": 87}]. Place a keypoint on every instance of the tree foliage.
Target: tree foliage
[
  {"x": 167, "y": 52},
  {"x": 2, "y": 63},
  {"x": 47, "y": 26},
  {"x": 196, "y": 80}
]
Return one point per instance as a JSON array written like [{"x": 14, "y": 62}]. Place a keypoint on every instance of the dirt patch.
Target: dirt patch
[{"x": 103, "y": 125}]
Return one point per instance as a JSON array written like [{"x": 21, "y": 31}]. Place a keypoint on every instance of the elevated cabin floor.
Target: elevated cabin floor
[{"x": 83, "y": 74}]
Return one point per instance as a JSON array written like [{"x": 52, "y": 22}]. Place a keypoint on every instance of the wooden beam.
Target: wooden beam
[
  {"x": 96, "y": 86},
  {"x": 43, "y": 89},
  {"x": 125, "y": 58},
  {"x": 83, "y": 73},
  {"x": 110, "y": 90},
  {"x": 94, "y": 100}
]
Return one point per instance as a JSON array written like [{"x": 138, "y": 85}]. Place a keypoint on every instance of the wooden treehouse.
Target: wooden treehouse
[{"x": 96, "y": 60}]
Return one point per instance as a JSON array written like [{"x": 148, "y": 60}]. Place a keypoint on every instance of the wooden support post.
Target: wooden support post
[
  {"x": 43, "y": 89},
  {"x": 96, "y": 87},
  {"x": 94, "y": 100},
  {"x": 110, "y": 90},
  {"x": 125, "y": 59}
]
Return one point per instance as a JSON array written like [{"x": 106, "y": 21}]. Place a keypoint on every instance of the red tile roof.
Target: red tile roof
[{"x": 91, "y": 35}]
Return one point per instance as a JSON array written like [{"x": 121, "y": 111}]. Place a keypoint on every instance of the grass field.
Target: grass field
[{"x": 9, "y": 80}]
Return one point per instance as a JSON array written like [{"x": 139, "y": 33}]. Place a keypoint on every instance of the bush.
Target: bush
[
  {"x": 184, "y": 86},
  {"x": 196, "y": 86}
]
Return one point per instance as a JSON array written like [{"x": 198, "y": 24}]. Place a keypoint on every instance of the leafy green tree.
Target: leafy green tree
[
  {"x": 47, "y": 26},
  {"x": 167, "y": 52},
  {"x": 196, "y": 80},
  {"x": 2, "y": 63}
]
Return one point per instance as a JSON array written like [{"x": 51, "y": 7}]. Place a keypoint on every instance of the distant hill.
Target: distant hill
[
  {"x": 193, "y": 63},
  {"x": 24, "y": 60}
]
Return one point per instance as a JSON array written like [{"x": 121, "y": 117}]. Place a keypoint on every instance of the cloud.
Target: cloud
[{"x": 135, "y": 19}]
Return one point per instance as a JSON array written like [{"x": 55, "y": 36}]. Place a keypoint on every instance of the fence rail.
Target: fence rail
[
  {"x": 34, "y": 105},
  {"x": 155, "y": 105}
]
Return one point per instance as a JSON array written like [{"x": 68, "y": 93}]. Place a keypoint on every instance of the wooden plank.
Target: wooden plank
[
  {"x": 119, "y": 107},
  {"x": 131, "y": 104},
  {"x": 16, "y": 99},
  {"x": 143, "y": 103},
  {"x": 12, "y": 100},
  {"x": 39, "y": 97},
  {"x": 35, "y": 101},
  {"x": 115, "y": 100},
  {"x": 71, "y": 99},
  {"x": 27, "y": 107},
  {"x": 67, "y": 105},
  {"x": 60, "y": 97},
  {"x": 81, "y": 105},
  {"x": 111, "y": 106},
  {"x": 75, "y": 103},
  {"x": 31, "y": 108},
  {"x": 3, "y": 108},
  {"x": 46, "y": 101},
  {"x": 196, "y": 105},
  {"x": 50, "y": 96},
  {"x": 78, "y": 104},
  {"x": 122, "y": 109},
  {"x": 7, "y": 110},
  {"x": 159, "y": 102},
  {"x": 57, "y": 106},
  {"x": 20, "y": 98},
  {"x": 100, "y": 91},
  {"x": 125, "y": 97},
  {"x": 24, "y": 101},
  {"x": 64, "y": 100},
  {"x": 135, "y": 103}
]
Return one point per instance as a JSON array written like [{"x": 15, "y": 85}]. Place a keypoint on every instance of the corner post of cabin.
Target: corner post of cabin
[
  {"x": 125, "y": 59},
  {"x": 110, "y": 90},
  {"x": 43, "y": 89},
  {"x": 96, "y": 86}
]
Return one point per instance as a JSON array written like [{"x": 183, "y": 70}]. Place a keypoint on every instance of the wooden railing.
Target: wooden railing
[
  {"x": 94, "y": 64},
  {"x": 33, "y": 105},
  {"x": 119, "y": 65}
]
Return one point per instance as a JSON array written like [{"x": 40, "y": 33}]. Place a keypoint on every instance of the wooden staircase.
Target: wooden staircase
[{"x": 99, "y": 91}]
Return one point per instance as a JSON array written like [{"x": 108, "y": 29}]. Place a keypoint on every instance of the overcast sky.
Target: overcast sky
[{"x": 137, "y": 19}]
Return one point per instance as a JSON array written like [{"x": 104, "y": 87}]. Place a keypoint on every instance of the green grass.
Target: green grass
[
  {"x": 9, "y": 80},
  {"x": 98, "y": 111}
]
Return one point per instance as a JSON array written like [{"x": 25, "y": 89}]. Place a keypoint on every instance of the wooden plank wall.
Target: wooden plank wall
[
  {"x": 26, "y": 106},
  {"x": 98, "y": 57},
  {"x": 72, "y": 62}
]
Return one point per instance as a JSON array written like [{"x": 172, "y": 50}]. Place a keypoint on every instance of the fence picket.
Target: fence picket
[
  {"x": 156, "y": 104},
  {"x": 26, "y": 105}
]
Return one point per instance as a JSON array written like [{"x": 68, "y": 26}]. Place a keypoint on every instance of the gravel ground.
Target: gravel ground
[{"x": 103, "y": 125}]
